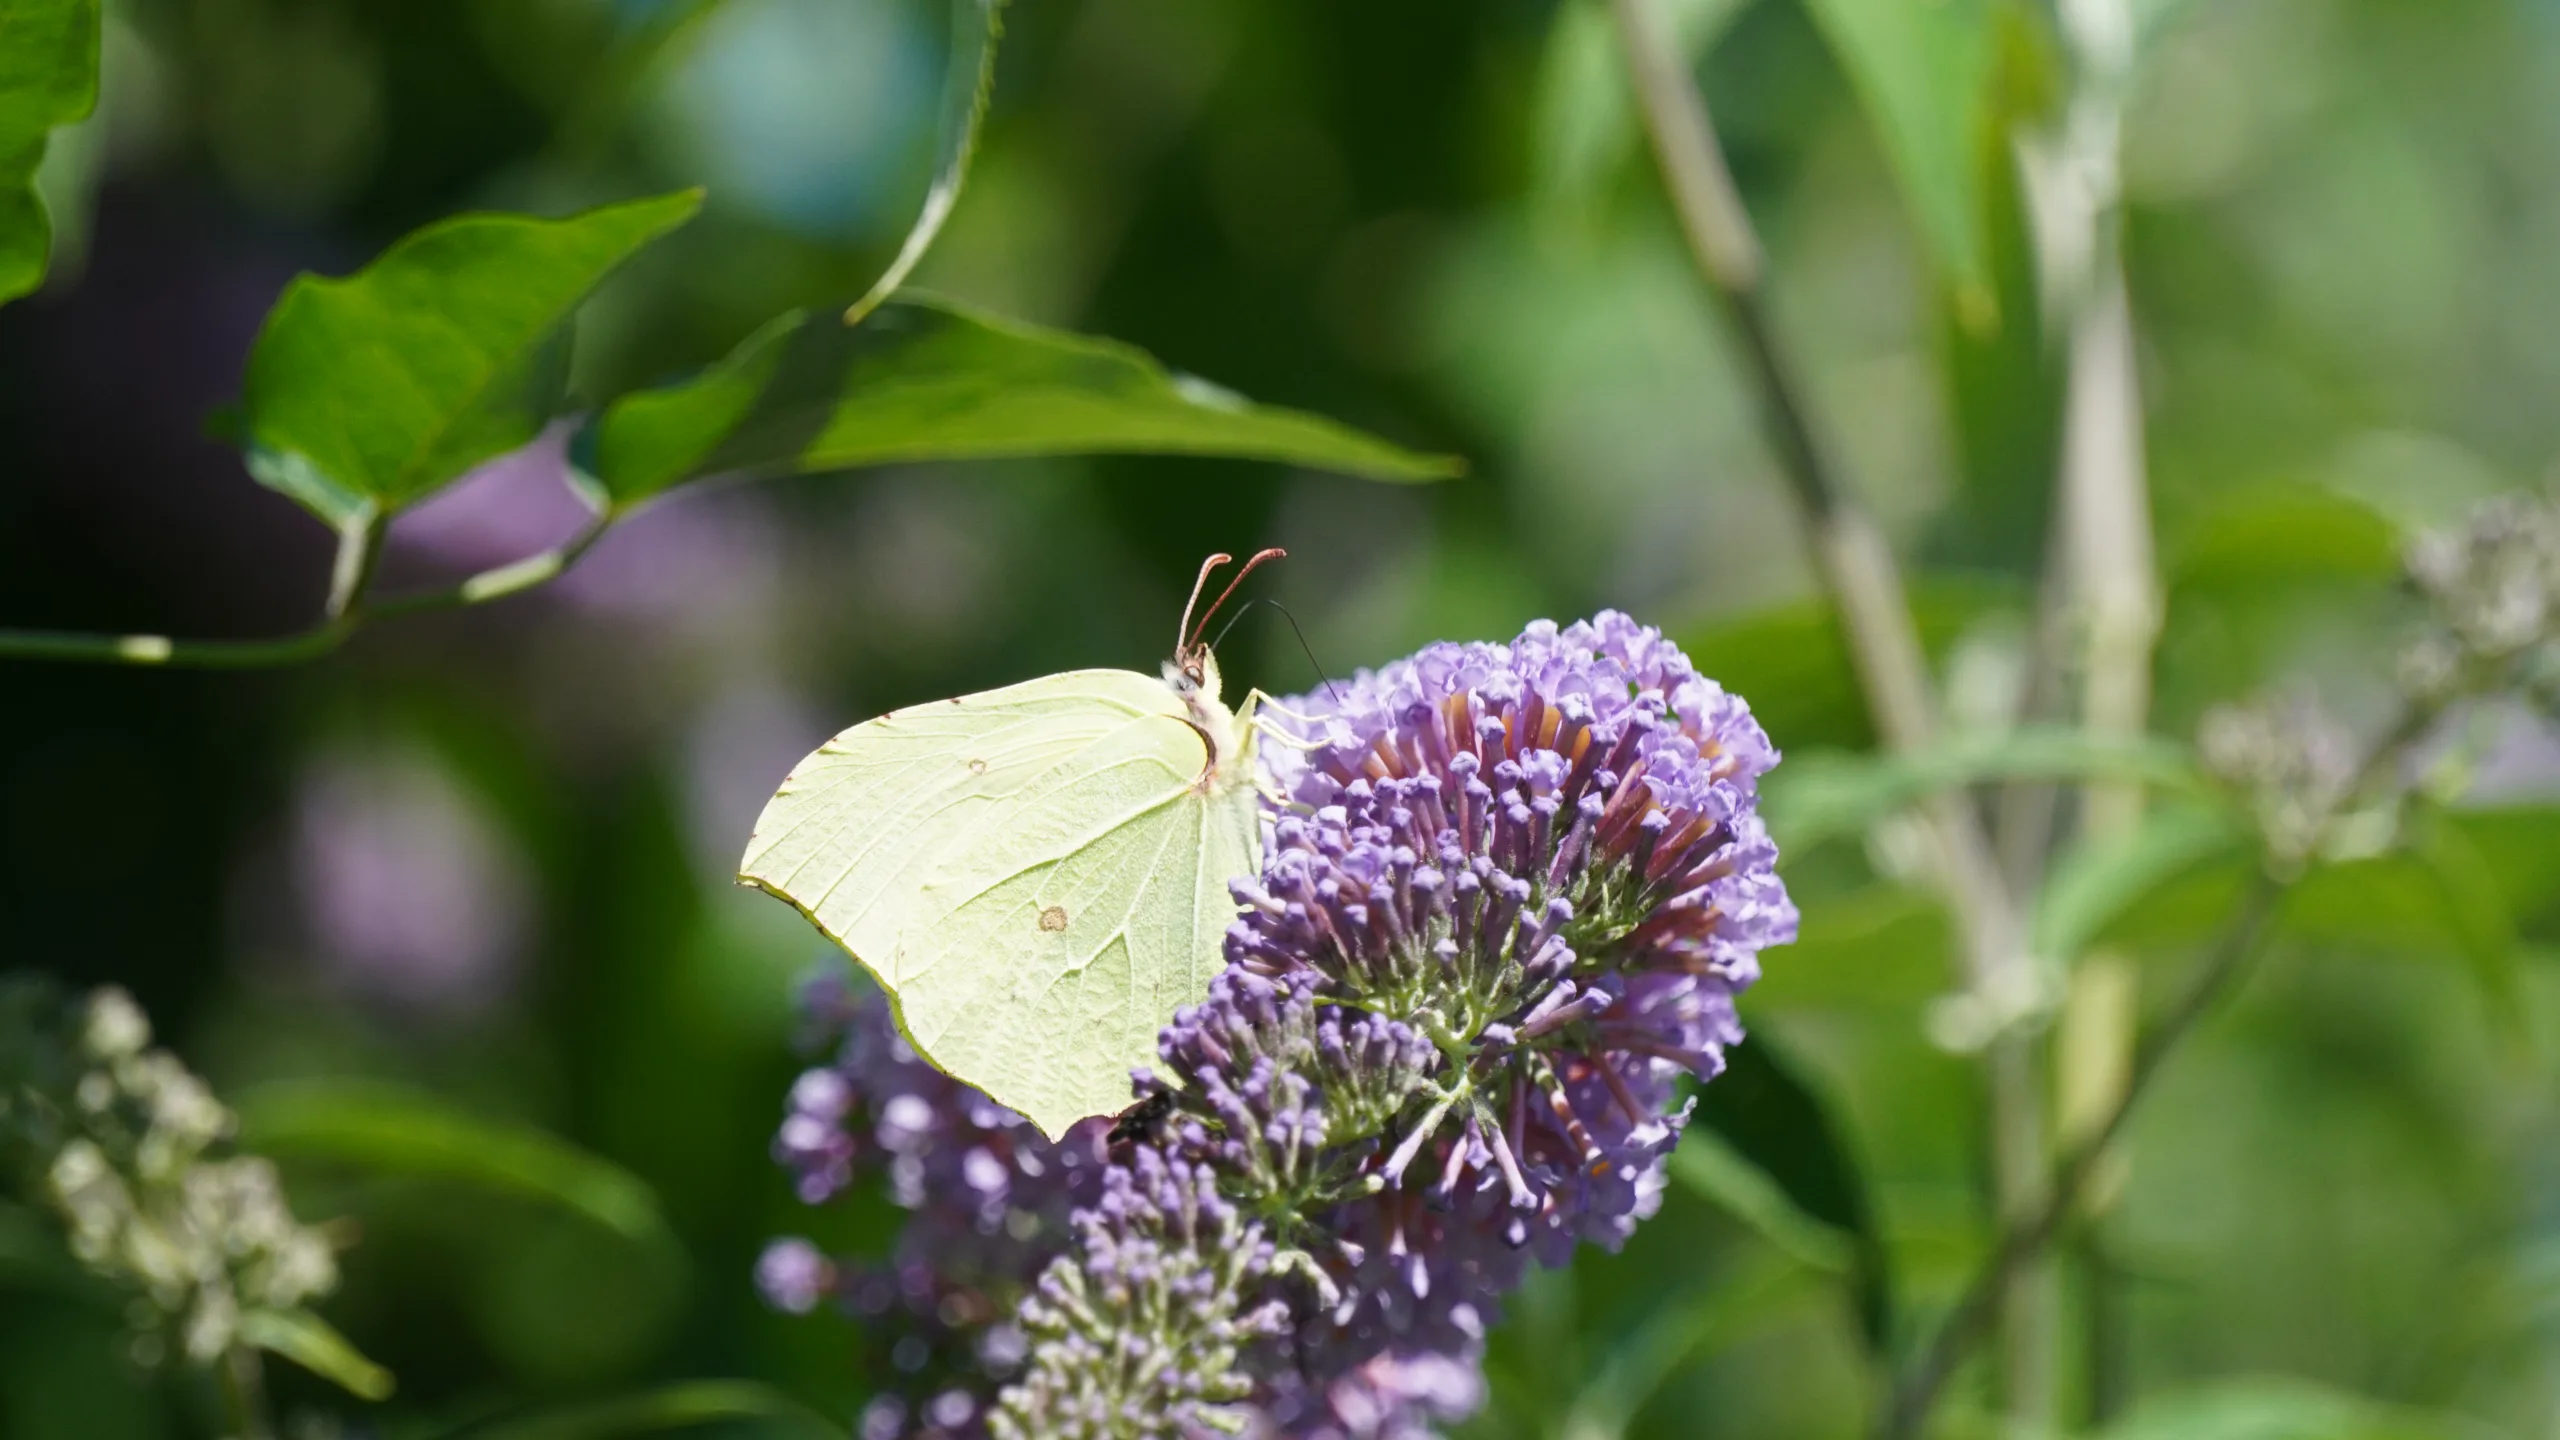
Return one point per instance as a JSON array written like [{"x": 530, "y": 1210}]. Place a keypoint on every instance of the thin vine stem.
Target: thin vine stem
[{"x": 351, "y": 605}]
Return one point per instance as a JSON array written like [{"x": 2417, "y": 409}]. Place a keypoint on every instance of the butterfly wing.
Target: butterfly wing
[{"x": 1036, "y": 875}]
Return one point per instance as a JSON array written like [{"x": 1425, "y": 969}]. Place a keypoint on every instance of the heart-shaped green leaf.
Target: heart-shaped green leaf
[
  {"x": 373, "y": 391},
  {"x": 927, "y": 380},
  {"x": 48, "y": 77}
]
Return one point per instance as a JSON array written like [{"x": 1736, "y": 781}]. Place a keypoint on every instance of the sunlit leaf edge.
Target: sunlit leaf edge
[
  {"x": 307, "y": 369},
  {"x": 712, "y": 420},
  {"x": 390, "y": 1128}
]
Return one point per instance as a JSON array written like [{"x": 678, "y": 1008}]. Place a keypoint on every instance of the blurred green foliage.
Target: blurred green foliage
[{"x": 486, "y": 855}]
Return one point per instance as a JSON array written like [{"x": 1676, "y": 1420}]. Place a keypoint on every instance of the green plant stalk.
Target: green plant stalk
[
  {"x": 350, "y": 606},
  {"x": 2110, "y": 584},
  {"x": 1907, "y": 1408},
  {"x": 2019, "y": 1242},
  {"x": 2107, "y": 510},
  {"x": 1858, "y": 567},
  {"x": 244, "y": 1395}
]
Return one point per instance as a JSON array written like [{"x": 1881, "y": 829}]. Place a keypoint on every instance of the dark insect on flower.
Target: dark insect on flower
[{"x": 1141, "y": 1123}]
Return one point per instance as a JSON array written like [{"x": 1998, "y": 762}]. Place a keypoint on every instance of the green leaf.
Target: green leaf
[
  {"x": 1585, "y": 128},
  {"x": 1683, "y": 1329},
  {"x": 2476, "y": 913},
  {"x": 649, "y": 42},
  {"x": 394, "y": 1129},
  {"x": 1775, "y": 1122},
  {"x": 2094, "y": 883},
  {"x": 2435, "y": 897},
  {"x": 2281, "y": 1410},
  {"x": 675, "y": 1407},
  {"x": 316, "y": 1346},
  {"x": 1708, "y": 1164},
  {"x": 927, "y": 380},
  {"x": 1813, "y": 798},
  {"x": 1923, "y": 69},
  {"x": 977, "y": 28},
  {"x": 48, "y": 78},
  {"x": 1792, "y": 664},
  {"x": 33, "y": 1256},
  {"x": 376, "y": 390},
  {"x": 2279, "y": 536},
  {"x": 2520, "y": 847},
  {"x": 1884, "y": 947},
  {"x": 2251, "y": 572}
]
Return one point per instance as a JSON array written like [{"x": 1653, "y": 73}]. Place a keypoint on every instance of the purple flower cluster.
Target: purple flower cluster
[
  {"x": 1510, "y": 901},
  {"x": 989, "y": 1202},
  {"x": 1517, "y": 892},
  {"x": 1507, "y": 901},
  {"x": 1144, "y": 1331}
]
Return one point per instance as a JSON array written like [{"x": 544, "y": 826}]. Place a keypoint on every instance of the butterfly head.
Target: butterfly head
[
  {"x": 1193, "y": 671},
  {"x": 1194, "y": 675}
]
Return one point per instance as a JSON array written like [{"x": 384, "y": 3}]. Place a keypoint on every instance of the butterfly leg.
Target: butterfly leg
[
  {"x": 1263, "y": 700},
  {"x": 1256, "y": 700}
]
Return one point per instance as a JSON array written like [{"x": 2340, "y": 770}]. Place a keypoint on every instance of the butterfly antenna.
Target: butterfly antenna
[
  {"x": 1182, "y": 636},
  {"x": 1274, "y": 553},
  {"x": 1247, "y": 609}
]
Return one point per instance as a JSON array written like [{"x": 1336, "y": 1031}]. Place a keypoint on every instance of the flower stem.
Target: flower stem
[
  {"x": 1974, "y": 1314},
  {"x": 244, "y": 1395},
  {"x": 2021, "y": 1241},
  {"x": 1859, "y": 570}
]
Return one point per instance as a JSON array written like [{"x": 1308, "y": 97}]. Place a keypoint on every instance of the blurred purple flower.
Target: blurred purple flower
[
  {"x": 709, "y": 558},
  {"x": 794, "y": 1275},
  {"x": 988, "y": 1199},
  {"x": 735, "y": 755},
  {"x": 408, "y": 888},
  {"x": 518, "y": 504}
]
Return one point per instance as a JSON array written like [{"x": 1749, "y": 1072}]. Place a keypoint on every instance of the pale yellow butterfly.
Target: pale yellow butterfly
[{"x": 1037, "y": 875}]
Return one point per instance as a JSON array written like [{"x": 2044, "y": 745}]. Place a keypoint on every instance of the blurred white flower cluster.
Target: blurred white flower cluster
[
  {"x": 122, "y": 1144},
  {"x": 2493, "y": 587},
  {"x": 2294, "y": 763}
]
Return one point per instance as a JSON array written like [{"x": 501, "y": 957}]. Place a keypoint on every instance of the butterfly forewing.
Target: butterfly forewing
[{"x": 1037, "y": 876}]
